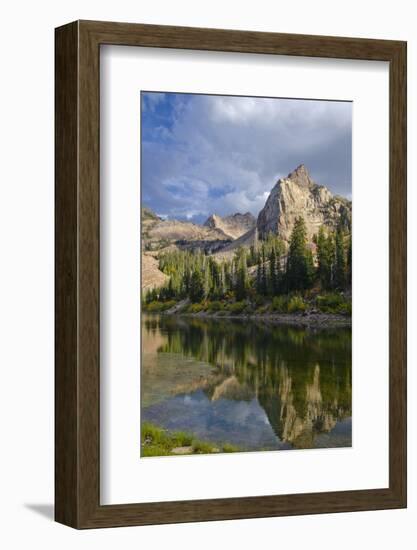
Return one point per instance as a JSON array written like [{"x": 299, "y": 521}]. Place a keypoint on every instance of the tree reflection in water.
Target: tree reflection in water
[{"x": 300, "y": 378}]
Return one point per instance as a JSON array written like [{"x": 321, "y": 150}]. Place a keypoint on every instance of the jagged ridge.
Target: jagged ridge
[{"x": 234, "y": 225}]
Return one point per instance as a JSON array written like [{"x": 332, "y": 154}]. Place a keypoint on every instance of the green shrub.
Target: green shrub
[
  {"x": 280, "y": 304},
  {"x": 156, "y": 307},
  {"x": 195, "y": 308},
  {"x": 214, "y": 306},
  {"x": 258, "y": 300},
  {"x": 181, "y": 439},
  {"x": 263, "y": 309},
  {"x": 229, "y": 448},
  {"x": 153, "y": 434},
  {"x": 169, "y": 304},
  {"x": 154, "y": 450},
  {"x": 296, "y": 305},
  {"x": 329, "y": 300},
  {"x": 159, "y": 442},
  {"x": 250, "y": 308},
  {"x": 153, "y": 307},
  {"x": 334, "y": 303},
  {"x": 236, "y": 307},
  {"x": 289, "y": 304},
  {"x": 344, "y": 309},
  {"x": 202, "y": 447}
]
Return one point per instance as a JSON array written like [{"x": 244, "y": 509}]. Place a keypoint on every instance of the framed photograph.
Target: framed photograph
[{"x": 230, "y": 274}]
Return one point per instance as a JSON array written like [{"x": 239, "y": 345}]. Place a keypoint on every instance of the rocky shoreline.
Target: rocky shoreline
[{"x": 311, "y": 320}]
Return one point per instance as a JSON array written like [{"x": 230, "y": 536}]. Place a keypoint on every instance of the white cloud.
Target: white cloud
[{"x": 224, "y": 154}]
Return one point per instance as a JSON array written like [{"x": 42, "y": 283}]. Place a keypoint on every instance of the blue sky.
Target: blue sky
[{"x": 204, "y": 154}]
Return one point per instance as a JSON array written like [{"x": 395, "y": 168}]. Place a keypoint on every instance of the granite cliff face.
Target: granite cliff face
[
  {"x": 296, "y": 195},
  {"x": 233, "y": 226}
]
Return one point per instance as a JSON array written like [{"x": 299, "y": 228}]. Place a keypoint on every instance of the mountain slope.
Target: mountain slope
[
  {"x": 158, "y": 234},
  {"x": 152, "y": 276},
  {"x": 246, "y": 241}
]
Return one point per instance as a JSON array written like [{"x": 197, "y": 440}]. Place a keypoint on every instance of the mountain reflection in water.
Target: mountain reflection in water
[{"x": 256, "y": 385}]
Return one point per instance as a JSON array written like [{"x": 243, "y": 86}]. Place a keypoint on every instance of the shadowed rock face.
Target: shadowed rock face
[
  {"x": 296, "y": 195},
  {"x": 233, "y": 226}
]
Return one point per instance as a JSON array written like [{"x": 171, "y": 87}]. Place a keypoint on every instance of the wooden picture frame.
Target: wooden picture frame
[{"x": 77, "y": 374}]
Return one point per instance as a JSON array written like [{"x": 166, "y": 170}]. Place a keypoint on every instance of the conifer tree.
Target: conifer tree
[
  {"x": 273, "y": 276},
  {"x": 299, "y": 261},
  {"x": 170, "y": 290},
  {"x": 324, "y": 259},
  {"x": 264, "y": 280},
  {"x": 340, "y": 265},
  {"x": 196, "y": 286},
  {"x": 242, "y": 278},
  {"x": 349, "y": 262},
  {"x": 186, "y": 280},
  {"x": 259, "y": 276},
  {"x": 256, "y": 241}
]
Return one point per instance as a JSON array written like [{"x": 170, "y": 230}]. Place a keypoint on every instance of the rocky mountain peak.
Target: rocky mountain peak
[
  {"x": 233, "y": 226},
  {"x": 211, "y": 220},
  {"x": 301, "y": 176},
  {"x": 314, "y": 202}
]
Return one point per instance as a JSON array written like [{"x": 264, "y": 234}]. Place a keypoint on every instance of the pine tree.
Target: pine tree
[
  {"x": 324, "y": 259},
  {"x": 196, "y": 286},
  {"x": 299, "y": 261},
  {"x": 228, "y": 277},
  {"x": 207, "y": 283},
  {"x": 242, "y": 281},
  {"x": 259, "y": 276},
  {"x": 186, "y": 280},
  {"x": 170, "y": 291},
  {"x": 222, "y": 282},
  {"x": 256, "y": 241},
  {"x": 215, "y": 272},
  {"x": 349, "y": 262},
  {"x": 310, "y": 268},
  {"x": 340, "y": 265},
  {"x": 273, "y": 276},
  {"x": 331, "y": 250},
  {"x": 148, "y": 296},
  {"x": 264, "y": 279}
]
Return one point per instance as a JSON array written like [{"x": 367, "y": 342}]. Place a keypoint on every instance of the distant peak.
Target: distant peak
[
  {"x": 236, "y": 216},
  {"x": 210, "y": 220},
  {"x": 233, "y": 225},
  {"x": 301, "y": 176}
]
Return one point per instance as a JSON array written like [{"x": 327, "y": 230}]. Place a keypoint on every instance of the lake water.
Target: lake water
[{"x": 253, "y": 384}]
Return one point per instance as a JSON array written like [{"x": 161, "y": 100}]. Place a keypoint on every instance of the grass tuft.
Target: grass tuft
[
  {"x": 159, "y": 442},
  {"x": 202, "y": 447},
  {"x": 229, "y": 448}
]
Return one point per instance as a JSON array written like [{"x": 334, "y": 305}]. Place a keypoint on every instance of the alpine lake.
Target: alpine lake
[{"x": 256, "y": 385}]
